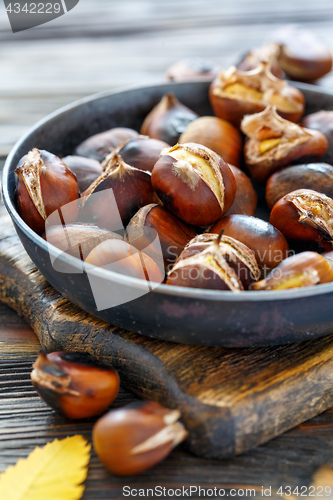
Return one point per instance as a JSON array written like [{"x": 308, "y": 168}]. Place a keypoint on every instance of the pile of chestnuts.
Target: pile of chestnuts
[
  {"x": 128, "y": 440},
  {"x": 187, "y": 181}
]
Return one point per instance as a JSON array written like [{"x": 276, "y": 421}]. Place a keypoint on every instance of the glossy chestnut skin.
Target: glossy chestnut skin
[
  {"x": 136, "y": 437},
  {"x": 131, "y": 187},
  {"x": 301, "y": 270},
  {"x": 85, "y": 169},
  {"x": 100, "y": 145},
  {"x": 142, "y": 152},
  {"x": 167, "y": 120},
  {"x": 322, "y": 121},
  {"x": 246, "y": 198},
  {"x": 267, "y": 243},
  {"x": 123, "y": 258},
  {"x": 44, "y": 185},
  {"x": 305, "y": 215},
  {"x": 303, "y": 55},
  {"x": 74, "y": 384},
  {"x": 191, "y": 193},
  {"x": 172, "y": 232},
  {"x": 190, "y": 69},
  {"x": 216, "y": 134},
  {"x": 316, "y": 176}
]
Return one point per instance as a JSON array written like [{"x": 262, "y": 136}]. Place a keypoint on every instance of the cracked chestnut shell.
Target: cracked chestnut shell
[
  {"x": 168, "y": 119},
  {"x": 98, "y": 146},
  {"x": 194, "y": 183},
  {"x": 216, "y": 134},
  {"x": 322, "y": 121},
  {"x": 45, "y": 184},
  {"x": 301, "y": 270},
  {"x": 267, "y": 53},
  {"x": 269, "y": 245},
  {"x": 85, "y": 169},
  {"x": 173, "y": 233},
  {"x": 275, "y": 143},
  {"x": 305, "y": 215},
  {"x": 74, "y": 383},
  {"x": 234, "y": 94}
]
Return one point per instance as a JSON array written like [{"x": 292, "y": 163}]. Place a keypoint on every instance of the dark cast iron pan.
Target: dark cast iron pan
[{"x": 189, "y": 316}]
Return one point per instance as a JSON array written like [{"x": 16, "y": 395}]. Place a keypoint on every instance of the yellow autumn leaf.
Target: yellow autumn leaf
[{"x": 55, "y": 472}]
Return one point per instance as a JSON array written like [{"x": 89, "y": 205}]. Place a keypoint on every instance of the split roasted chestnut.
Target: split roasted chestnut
[
  {"x": 267, "y": 53},
  {"x": 303, "y": 269},
  {"x": 173, "y": 234},
  {"x": 246, "y": 197},
  {"x": 136, "y": 437},
  {"x": 305, "y": 215},
  {"x": 193, "y": 68},
  {"x": 234, "y": 94},
  {"x": 322, "y": 121},
  {"x": 168, "y": 119},
  {"x": 274, "y": 143},
  {"x": 316, "y": 176},
  {"x": 216, "y": 134},
  {"x": 85, "y": 169},
  {"x": 45, "y": 184},
  {"x": 131, "y": 190},
  {"x": 74, "y": 383},
  {"x": 100, "y": 145},
  {"x": 268, "y": 244},
  {"x": 194, "y": 183}
]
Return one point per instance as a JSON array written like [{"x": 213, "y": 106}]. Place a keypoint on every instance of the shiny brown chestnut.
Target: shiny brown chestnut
[
  {"x": 246, "y": 198},
  {"x": 303, "y": 55},
  {"x": 216, "y": 134},
  {"x": 153, "y": 220},
  {"x": 305, "y": 215},
  {"x": 316, "y": 176},
  {"x": 123, "y": 258},
  {"x": 136, "y": 437},
  {"x": 100, "y": 145},
  {"x": 275, "y": 143},
  {"x": 168, "y": 119},
  {"x": 85, "y": 169},
  {"x": 193, "y": 68},
  {"x": 234, "y": 94},
  {"x": 45, "y": 184},
  {"x": 141, "y": 152},
  {"x": 194, "y": 183},
  {"x": 74, "y": 383},
  {"x": 301, "y": 270},
  {"x": 131, "y": 189},
  {"x": 268, "y": 244},
  {"x": 322, "y": 121},
  {"x": 213, "y": 263}
]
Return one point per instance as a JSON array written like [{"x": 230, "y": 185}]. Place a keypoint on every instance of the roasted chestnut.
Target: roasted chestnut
[
  {"x": 74, "y": 383},
  {"x": 168, "y": 119},
  {"x": 303, "y": 56},
  {"x": 234, "y": 94},
  {"x": 193, "y": 68},
  {"x": 131, "y": 188},
  {"x": 194, "y": 183},
  {"x": 214, "y": 264},
  {"x": 269, "y": 52},
  {"x": 45, "y": 184},
  {"x": 322, "y": 121},
  {"x": 268, "y": 244},
  {"x": 100, "y": 145},
  {"x": 305, "y": 215},
  {"x": 85, "y": 169},
  {"x": 316, "y": 176},
  {"x": 136, "y": 437},
  {"x": 246, "y": 197},
  {"x": 303, "y": 269},
  {"x": 216, "y": 134},
  {"x": 173, "y": 234},
  {"x": 274, "y": 143}
]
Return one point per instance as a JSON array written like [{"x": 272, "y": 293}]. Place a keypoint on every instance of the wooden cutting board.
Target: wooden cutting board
[{"x": 230, "y": 399}]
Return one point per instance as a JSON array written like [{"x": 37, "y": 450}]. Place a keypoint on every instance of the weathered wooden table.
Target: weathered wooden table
[{"x": 99, "y": 45}]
